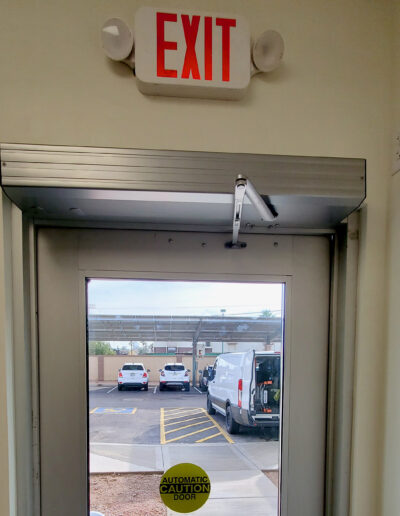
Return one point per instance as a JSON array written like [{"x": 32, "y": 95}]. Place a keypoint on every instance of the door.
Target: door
[{"x": 68, "y": 257}]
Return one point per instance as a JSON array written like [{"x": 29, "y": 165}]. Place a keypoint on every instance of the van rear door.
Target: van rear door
[
  {"x": 248, "y": 368},
  {"x": 268, "y": 387}
]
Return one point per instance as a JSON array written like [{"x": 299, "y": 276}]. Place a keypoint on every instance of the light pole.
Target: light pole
[{"x": 223, "y": 310}]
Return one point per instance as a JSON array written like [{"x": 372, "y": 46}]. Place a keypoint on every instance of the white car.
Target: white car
[
  {"x": 174, "y": 374},
  {"x": 133, "y": 375}
]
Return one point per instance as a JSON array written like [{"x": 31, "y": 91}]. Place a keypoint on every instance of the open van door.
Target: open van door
[
  {"x": 248, "y": 381},
  {"x": 267, "y": 388}
]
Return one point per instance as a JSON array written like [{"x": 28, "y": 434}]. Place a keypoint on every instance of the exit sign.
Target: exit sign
[{"x": 191, "y": 54}]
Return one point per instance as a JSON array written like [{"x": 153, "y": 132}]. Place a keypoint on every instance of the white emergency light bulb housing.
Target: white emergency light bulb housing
[
  {"x": 117, "y": 41},
  {"x": 267, "y": 52}
]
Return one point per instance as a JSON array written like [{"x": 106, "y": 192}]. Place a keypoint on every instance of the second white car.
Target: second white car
[{"x": 174, "y": 374}]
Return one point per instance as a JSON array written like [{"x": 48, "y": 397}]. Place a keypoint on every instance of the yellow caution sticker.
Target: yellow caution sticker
[{"x": 185, "y": 487}]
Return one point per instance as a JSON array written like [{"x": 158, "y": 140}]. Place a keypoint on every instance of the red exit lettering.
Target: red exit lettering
[{"x": 190, "y": 26}]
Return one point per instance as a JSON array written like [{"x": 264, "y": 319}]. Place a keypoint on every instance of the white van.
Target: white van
[{"x": 246, "y": 388}]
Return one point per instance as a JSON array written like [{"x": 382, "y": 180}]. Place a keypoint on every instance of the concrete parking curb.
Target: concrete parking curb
[{"x": 155, "y": 472}]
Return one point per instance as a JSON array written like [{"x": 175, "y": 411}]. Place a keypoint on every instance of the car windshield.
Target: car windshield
[
  {"x": 132, "y": 367},
  {"x": 174, "y": 368}
]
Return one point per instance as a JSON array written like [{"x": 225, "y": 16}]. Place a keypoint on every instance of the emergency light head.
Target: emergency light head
[
  {"x": 117, "y": 41},
  {"x": 267, "y": 52}
]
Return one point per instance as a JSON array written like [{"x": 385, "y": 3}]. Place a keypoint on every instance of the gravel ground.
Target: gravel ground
[{"x": 126, "y": 495}]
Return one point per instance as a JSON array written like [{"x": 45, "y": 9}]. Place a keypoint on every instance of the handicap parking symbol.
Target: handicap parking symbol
[{"x": 106, "y": 410}]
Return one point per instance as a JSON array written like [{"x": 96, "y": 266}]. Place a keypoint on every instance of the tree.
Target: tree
[
  {"x": 100, "y": 348},
  {"x": 268, "y": 314},
  {"x": 145, "y": 348}
]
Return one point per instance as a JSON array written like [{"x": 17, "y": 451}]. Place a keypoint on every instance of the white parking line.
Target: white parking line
[
  {"x": 199, "y": 391},
  {"x": 155, "y": 389},
  {"x": 97, "y": 389},
  {"x": 108, "y": 392}
]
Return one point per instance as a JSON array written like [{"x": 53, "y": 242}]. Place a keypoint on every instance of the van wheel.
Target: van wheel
[
  {"x": 187, "y": 387},
  {"x": 231, "y": 425},
  {"x": 146, "y": 387},
  {"x": 210, "y": 408},
  {"x": 161, "y": 387},
  {"x": 120, "y": 387}
]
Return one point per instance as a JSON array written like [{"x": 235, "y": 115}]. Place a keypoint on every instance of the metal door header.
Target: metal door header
[{"x": 85, "y": 183}]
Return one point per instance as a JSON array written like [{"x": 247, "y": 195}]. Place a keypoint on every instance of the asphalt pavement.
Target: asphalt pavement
[{"x": 154, "y": 417}]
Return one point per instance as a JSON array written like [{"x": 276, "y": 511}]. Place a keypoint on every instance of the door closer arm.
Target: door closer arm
[{"x": 243, "y": 187}]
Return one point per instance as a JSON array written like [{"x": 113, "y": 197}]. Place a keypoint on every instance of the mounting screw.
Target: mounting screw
[
  {"x": 170, "y": 240},
  {"x": 275, "y": 244},
  {"x": 203, "y": 244},
  {"x": 396, "y": 152}
]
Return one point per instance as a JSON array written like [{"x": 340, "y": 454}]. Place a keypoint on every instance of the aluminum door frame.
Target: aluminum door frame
[{"x": 57, "y": 259}]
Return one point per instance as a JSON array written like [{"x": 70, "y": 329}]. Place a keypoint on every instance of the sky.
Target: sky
[{"x": 144, "y": 297}]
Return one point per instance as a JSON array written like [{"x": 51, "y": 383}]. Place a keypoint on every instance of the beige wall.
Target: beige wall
[
  {"x": 93, "y": 369},
  {"x": 391, "y": 469},
  {"x": 6, "y": 444},
  {"x": 331, "y": 98},
  {"x": 154, "y": 363}
]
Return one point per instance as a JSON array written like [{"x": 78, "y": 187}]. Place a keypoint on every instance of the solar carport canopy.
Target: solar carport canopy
[{"x": 183, "y": 328}]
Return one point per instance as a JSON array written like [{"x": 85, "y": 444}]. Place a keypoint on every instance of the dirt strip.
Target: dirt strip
[
  {"x": 273, "y": 476},
  {"x": 126, "y": 494}
]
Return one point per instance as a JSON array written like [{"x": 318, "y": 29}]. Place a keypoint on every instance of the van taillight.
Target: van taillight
[
  {"x": 240, "y": 390},
  {"x": 144, "y": 375},
  {"x": 120, "y": 374}
]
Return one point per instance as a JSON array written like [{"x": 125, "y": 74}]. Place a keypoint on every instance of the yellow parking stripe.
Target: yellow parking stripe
[
  {"x": 225, "y": 434},
  {"x": 187, "y": 435},
  {"x": 183, "y": 416},
  {"x": 162, "y": 427},
  {"x": 93, "y": 410},
  {"x": 186, "y": 426},
  {"x": 208, "y": 437},
  {"x": 184, "y": 421},
  {"x": 180, "y": 409},
  {"x": 180, "y": 414}
]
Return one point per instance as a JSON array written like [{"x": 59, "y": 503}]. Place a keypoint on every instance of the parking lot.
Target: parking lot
[
  {"x": 154, "y": 417},
  {"x": 135, "y": 431}
]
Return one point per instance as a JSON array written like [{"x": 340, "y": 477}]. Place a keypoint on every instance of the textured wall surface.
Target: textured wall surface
[
  {"x": 332, "y": 97},
  {"x": 391, "y": 469}
]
